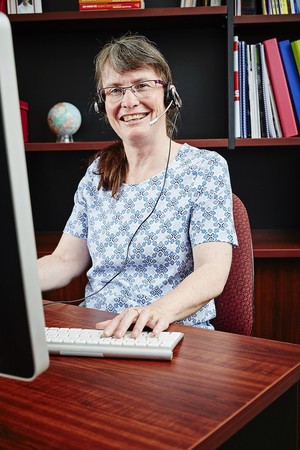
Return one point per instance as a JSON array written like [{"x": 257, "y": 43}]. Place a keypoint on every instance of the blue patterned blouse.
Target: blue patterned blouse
[{"x": 195, "y": 207}]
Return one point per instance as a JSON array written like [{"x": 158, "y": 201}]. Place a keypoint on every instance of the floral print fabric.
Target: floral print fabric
[{"x": 194, "y": 207}]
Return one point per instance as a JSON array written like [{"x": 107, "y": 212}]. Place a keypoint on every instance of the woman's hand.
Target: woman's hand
[{"x": 150, "y": 316}]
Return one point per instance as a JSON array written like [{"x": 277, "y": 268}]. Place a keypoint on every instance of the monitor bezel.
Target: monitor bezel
[{"x": 17, "y": 171}]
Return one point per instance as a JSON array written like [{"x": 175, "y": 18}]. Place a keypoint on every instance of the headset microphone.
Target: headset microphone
[{"x": 153, "y": 121}]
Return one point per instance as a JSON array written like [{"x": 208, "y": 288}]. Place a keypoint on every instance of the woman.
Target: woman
[{"x": 152, "y": 221}]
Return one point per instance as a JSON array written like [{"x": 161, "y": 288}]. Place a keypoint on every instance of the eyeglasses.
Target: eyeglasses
[{"x": 140, "y": 89}]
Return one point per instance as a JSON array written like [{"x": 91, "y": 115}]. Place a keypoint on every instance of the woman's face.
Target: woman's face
[{"x": 130, "y": 116}]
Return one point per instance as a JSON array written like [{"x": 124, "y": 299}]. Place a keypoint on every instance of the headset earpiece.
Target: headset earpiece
[
  {"x": 99, "y": 106},
  {"x": 171, "y": 95}
]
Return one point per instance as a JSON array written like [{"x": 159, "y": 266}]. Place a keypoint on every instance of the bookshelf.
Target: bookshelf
[{"x": 58, "y": 66}]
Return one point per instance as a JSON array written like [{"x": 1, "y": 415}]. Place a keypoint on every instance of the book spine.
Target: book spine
[
  {"x": 264, "y": 7},
  {"x": 105, "y": 1},
  {"x": 274, "y": 7},
  {"x": 240, "y": 81},
  {"x": 283, "y": 7},
  {"x": 236, "y": 87},
  {"x": 11, "y": 7},
  {"x": 291, "y": 7},
  {"x": 251, "y": 93},
  {"x": 270, "y": 122},
  {"x": 109, "y": 6},
  {"x": 297, "y": 6},
  {"x": 262, "y": 110},
  {"x": 291, "y": 75},
  {"x": 257, "y": 126},
  {"x": 244, "y": 93},
  {"x": 269, "y": 7},
  {"x": 3, "y": 6},
  {"x": 296, "y": 52},
  {"x": 280, "y": 88},
  {"x": 248, "y": 7}
]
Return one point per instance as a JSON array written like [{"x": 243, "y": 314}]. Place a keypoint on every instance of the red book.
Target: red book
[
  {"x": 3, "y": 6},
  {"x": 108, "y": 6},
  {"x": 280, "y": 88}
]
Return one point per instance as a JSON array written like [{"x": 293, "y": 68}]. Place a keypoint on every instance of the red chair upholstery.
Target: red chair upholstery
[{"x": 235, "y": 308}]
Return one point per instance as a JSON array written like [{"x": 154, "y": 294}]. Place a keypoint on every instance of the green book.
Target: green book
[{"x": 296, "y": 51}]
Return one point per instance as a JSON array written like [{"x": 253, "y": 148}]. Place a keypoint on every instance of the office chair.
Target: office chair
[{"x": 234, "y": 306}]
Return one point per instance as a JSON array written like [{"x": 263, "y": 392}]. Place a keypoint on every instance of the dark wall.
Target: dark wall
[{"x": 56, "y": 63}]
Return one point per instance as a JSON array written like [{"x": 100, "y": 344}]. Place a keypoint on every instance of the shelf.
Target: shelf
[
  {"x": 268, "y": 142},
  {"x": 167, "y": 17},
  {"x": 266, "y": 19},
  {"x": 276, "y": 243},
  {"x": 200, "y": 143},
  {"x": 278, "y": 25},
  {"x": 103, "y": 15},
  {"x": 266, "y": 243},
  {"x": 60, "y": 146},
  {"x": 99, "y": 145}
]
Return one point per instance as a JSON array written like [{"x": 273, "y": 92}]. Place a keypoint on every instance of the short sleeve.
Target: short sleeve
[
  {"x": 77, "y": 224},
  {"x": 212, "y": 212}
]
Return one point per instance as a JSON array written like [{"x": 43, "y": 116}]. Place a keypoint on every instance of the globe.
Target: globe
[{"x": 64, "y": 119}]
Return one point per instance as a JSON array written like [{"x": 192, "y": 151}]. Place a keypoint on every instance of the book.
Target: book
[
  {"x": 3, "y": 6},
  {"x": 297, "y": 6},
  {"x": 292, "y": 7},
  {"x": 236, "y": 98},
  {"x": 283, "y": 7},
  {"x": 106, "y": 1},
  {"x": 110, "y": 6},
  {"x": 273, "y": 123},
  {"x": 274, "y": 7},
  {"x": 248, "y": 7},
  {"x": 188, "y": 3},
  {"x": 264, "y": 7},
  {"x": 244, "y": 93},
  {"x": 292, "y": 76},
  {"x": 262, "y": 111},
  {"x": 280, "y": 88},
  {"x": 296, "y": 52},
  {"x": 251, "y": 92}
]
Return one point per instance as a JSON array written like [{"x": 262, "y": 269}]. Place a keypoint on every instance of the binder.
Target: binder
[
  {"x": 292, "y": 76},
  {"x": 280, "y": 88},
  {"x": 296, "y": 52}
]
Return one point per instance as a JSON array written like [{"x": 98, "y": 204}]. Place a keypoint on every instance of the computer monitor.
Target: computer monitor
[{"x": 23, "y": 349}]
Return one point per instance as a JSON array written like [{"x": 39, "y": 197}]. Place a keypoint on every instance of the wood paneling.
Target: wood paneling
[{"x": 277, "y": 298}]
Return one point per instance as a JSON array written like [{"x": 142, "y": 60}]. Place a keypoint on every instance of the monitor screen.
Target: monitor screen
[{"x": 23, "y": 349}]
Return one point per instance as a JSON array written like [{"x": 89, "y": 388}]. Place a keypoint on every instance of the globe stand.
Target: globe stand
[{"x": 66, "y": 138}]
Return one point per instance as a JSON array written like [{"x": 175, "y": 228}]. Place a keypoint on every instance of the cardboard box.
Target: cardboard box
[{"x": 24, "y": 119}]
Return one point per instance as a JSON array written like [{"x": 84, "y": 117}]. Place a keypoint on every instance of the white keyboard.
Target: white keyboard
[{"x": 86, "y": 342}]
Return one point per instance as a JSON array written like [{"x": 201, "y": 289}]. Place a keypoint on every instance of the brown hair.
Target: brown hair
[{"x": 127, "y": 53}]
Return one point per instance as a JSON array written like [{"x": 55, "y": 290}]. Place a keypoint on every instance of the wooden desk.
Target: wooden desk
[{"x": 216, "y": 385}]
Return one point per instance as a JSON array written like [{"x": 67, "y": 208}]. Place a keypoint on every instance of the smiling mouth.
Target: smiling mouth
[{"x": 134, "y": 117}]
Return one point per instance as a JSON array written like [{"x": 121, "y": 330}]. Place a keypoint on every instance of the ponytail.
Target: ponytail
[{"x": 112, "y": 167}]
